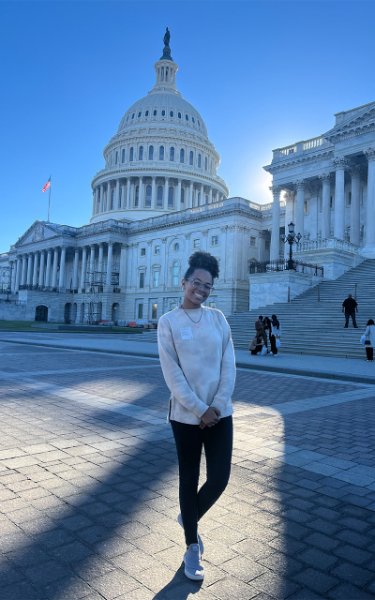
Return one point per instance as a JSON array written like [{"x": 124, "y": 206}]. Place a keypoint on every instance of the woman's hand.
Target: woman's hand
[{"x": 210, "y": 418}]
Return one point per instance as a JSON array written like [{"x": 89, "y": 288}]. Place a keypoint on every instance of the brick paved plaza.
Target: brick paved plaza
[{"x": 88, "y": 485}]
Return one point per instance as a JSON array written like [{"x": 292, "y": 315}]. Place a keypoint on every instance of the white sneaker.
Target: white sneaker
[
  {"x": 201, "y": 546},
  {"x": 193, "y": 569}
]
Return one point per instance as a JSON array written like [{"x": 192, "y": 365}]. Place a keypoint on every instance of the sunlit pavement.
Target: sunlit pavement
[{"x": 88, "y": 484}]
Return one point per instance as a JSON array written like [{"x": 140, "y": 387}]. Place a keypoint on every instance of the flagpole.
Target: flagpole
[{"x": 49, "y": 200}]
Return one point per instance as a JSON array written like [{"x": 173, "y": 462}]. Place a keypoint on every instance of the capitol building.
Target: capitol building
[{"x": 159, "y": 198}]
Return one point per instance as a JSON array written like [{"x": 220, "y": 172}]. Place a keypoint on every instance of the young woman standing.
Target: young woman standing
[{"x": 197, "y": 359}]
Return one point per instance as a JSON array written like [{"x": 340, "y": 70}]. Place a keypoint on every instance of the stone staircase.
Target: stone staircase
[{"x": 313, "y": 322}]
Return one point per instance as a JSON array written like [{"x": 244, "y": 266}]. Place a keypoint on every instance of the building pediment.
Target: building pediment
[
  {"x": 353, "y": 123},
  {"x": 40, "y": 231}
]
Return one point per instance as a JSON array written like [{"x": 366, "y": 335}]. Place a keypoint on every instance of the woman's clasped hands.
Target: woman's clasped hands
[{"x": 210, "y": 418}]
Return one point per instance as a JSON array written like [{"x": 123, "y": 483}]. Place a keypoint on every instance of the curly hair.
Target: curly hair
[{"x": 202, "y": 260}]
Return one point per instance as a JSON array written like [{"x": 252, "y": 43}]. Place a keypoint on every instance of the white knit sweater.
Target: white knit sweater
[{"x": 198, "y": 364}]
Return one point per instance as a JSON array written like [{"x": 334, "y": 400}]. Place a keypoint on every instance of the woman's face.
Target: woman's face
[{"x": 197, "y": 288}]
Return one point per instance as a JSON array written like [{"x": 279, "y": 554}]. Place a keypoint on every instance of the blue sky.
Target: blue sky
[{"x": 263, "y": 74}]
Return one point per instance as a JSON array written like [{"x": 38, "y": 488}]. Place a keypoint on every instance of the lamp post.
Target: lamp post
[{"x": 291, "y": 238}]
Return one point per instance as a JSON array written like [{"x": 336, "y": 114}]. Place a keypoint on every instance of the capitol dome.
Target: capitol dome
[{"x": 160, "y": 160}]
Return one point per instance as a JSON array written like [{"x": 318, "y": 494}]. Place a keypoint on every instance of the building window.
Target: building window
[
  {"x": 157, "y": 250},
  {"x": 176, "y": 247},
  {"x": 131, "y": 154},
  {"x": 141, "y": 279},
  {"x": 349, "y": 201},
  {"x": 151, "y": 153},
  {"x": 179, "y": 115},
  {"x": 191, "y": 157},
  {"x": 170, "y": 197},
  {"x": 155, "y": 113},
  {"x": 155, "y": 278},
  {"x": 161, "y": 153},
  {"x": 182, "y": 195},
  {"x": 187, "y": 117},
  {"x": 175, "y": 274},
  {"x": 182, "y": 155},
  {"x": 140, "y": 153},
  {"x": 136, "y": 196},
  {"x": 140, "y": 311},
  {"x": 163, "y": 113},
  {"x": 123, "y": 155},
  {"x": 154, "y": 311},
  {"x": 196, "y": 243},
  {"x": 116, "y": 159},
  {"x": 159, "y": 197},
  {"x": 199, "y": 161},
  {"x": 171, "y": 154},
  {"x": 148, "y": 196},
  {"x": 253, "y": 241},
  {"x": 143, "y": 251},
  {"x": 214, "y": 240},
  {"x": 205, "y": 163},
  {"x": 171, "y": 113},
  {"x": 146, "y": 113},
  {"x": 305, "y": 207}
]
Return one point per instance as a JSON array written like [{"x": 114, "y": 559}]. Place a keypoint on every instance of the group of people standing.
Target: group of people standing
[{"x": 267, "y": 330}]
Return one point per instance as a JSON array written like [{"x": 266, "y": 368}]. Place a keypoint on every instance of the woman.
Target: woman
[
  {"x": 256, "y": 345},
  {"x": 197, "y": 360},
  {"x": 370, "y": 339},
  {"x": 274, "y": 334}
]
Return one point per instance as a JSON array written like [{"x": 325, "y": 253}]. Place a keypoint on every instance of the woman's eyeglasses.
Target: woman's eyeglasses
[{"x": 196, "y": 283}]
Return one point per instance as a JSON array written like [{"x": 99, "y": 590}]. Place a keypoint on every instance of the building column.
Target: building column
[
  {"x": 339, "y": 216},
  {"x": 82, "y": 283},
  {"x": 370, "y": 205},
  {"x": 29, "y": 271},
  {"x": 92, "y": 264},
  {"x": 128, "y": 186},
  {"x": 210, "y": 196},
  {"x": 326, "y": 197},
  {"x": 54, "y": 267},
  {"x": 108, "y": 278},
  {"x": 117, "y": 195},
  {"x": 300, "y": 208},
  {"x": 122, "y": 278},
  {"x": 275, "y": 233},
  {"x": 41, "y": 270},
  {"x": 166, "y": 186},
  {"x": 18, "y": 275},
  {"x": 153, "y": 192},
  {"x": 191, "y": 191},
  {"x": 47, "y": 282},
  {"x": 354, "y": 206},
  {"x": 35, "y": 269},
  {"x": 24, "y": 270},
  {"x": 75, "y": 270},
  {"x": 178, "y": 199},
  {"x": 62, "y": 269}
]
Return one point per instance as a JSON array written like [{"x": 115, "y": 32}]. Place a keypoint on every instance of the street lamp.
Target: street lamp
[{"x": 291, "y": 238}]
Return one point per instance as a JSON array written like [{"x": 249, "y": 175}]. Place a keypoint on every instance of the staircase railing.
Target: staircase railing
[{"x": 286, "y": 265}]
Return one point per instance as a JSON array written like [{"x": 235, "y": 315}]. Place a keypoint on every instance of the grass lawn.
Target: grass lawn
[{"x": 61, "y": 328}]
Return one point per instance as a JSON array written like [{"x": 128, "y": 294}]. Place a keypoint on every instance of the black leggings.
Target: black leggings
[{"x": 217, "y": 442}]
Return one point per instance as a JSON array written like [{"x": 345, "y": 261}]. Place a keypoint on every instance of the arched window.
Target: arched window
[
  {"x": 171, "y": 154},
  {"x": 146, "y": 113},
  {"x": 159, "y": 196},
  {"x": 175, "y": 274},
  {"x": 151, "y": 153},
  {"x": 205, "y": 163},
  {"x": 163, "y": 113},
  {"x": 131, "y": 154},
  {"x": 155, "y": 113},
  {"x": 182, "y": 155},
  {"x": 171, "y": 113},
  {"x": 140, "y": 153},
  {"x": 191, "y": 157},
  {"x": 179, "y": 115},
  {"x": 161, "y": 153},
  {"x": 148, "y": 196},
  {"x": 199, "y": 161},
  {"x": 170, "y": 197}
]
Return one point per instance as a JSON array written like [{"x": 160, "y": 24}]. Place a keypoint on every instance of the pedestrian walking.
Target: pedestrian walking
[
  {"x": 275, "y": 335},
  {"x": 349, "y": 308},
  {"x": 369, "y": 339},
  {"x": 197, "y": 359}
]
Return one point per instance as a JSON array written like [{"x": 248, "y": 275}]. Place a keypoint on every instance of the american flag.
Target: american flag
[{"x": 46, "y": 185}]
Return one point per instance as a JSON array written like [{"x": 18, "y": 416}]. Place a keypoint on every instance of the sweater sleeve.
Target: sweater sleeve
[
  {"x": 173, "y": 374},
  {"x": 227, "y": 372}
]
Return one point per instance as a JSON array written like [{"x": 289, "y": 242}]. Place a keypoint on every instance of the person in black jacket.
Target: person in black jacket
[{"x": 349, "y": 308}]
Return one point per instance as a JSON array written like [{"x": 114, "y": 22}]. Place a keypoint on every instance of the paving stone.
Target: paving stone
[
  {"x": 354, "y": 574},
  {"x": 316, "y": 580}
]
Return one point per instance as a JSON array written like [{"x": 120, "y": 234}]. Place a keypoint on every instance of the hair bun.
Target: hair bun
[{"x": 204, "y": 260}]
